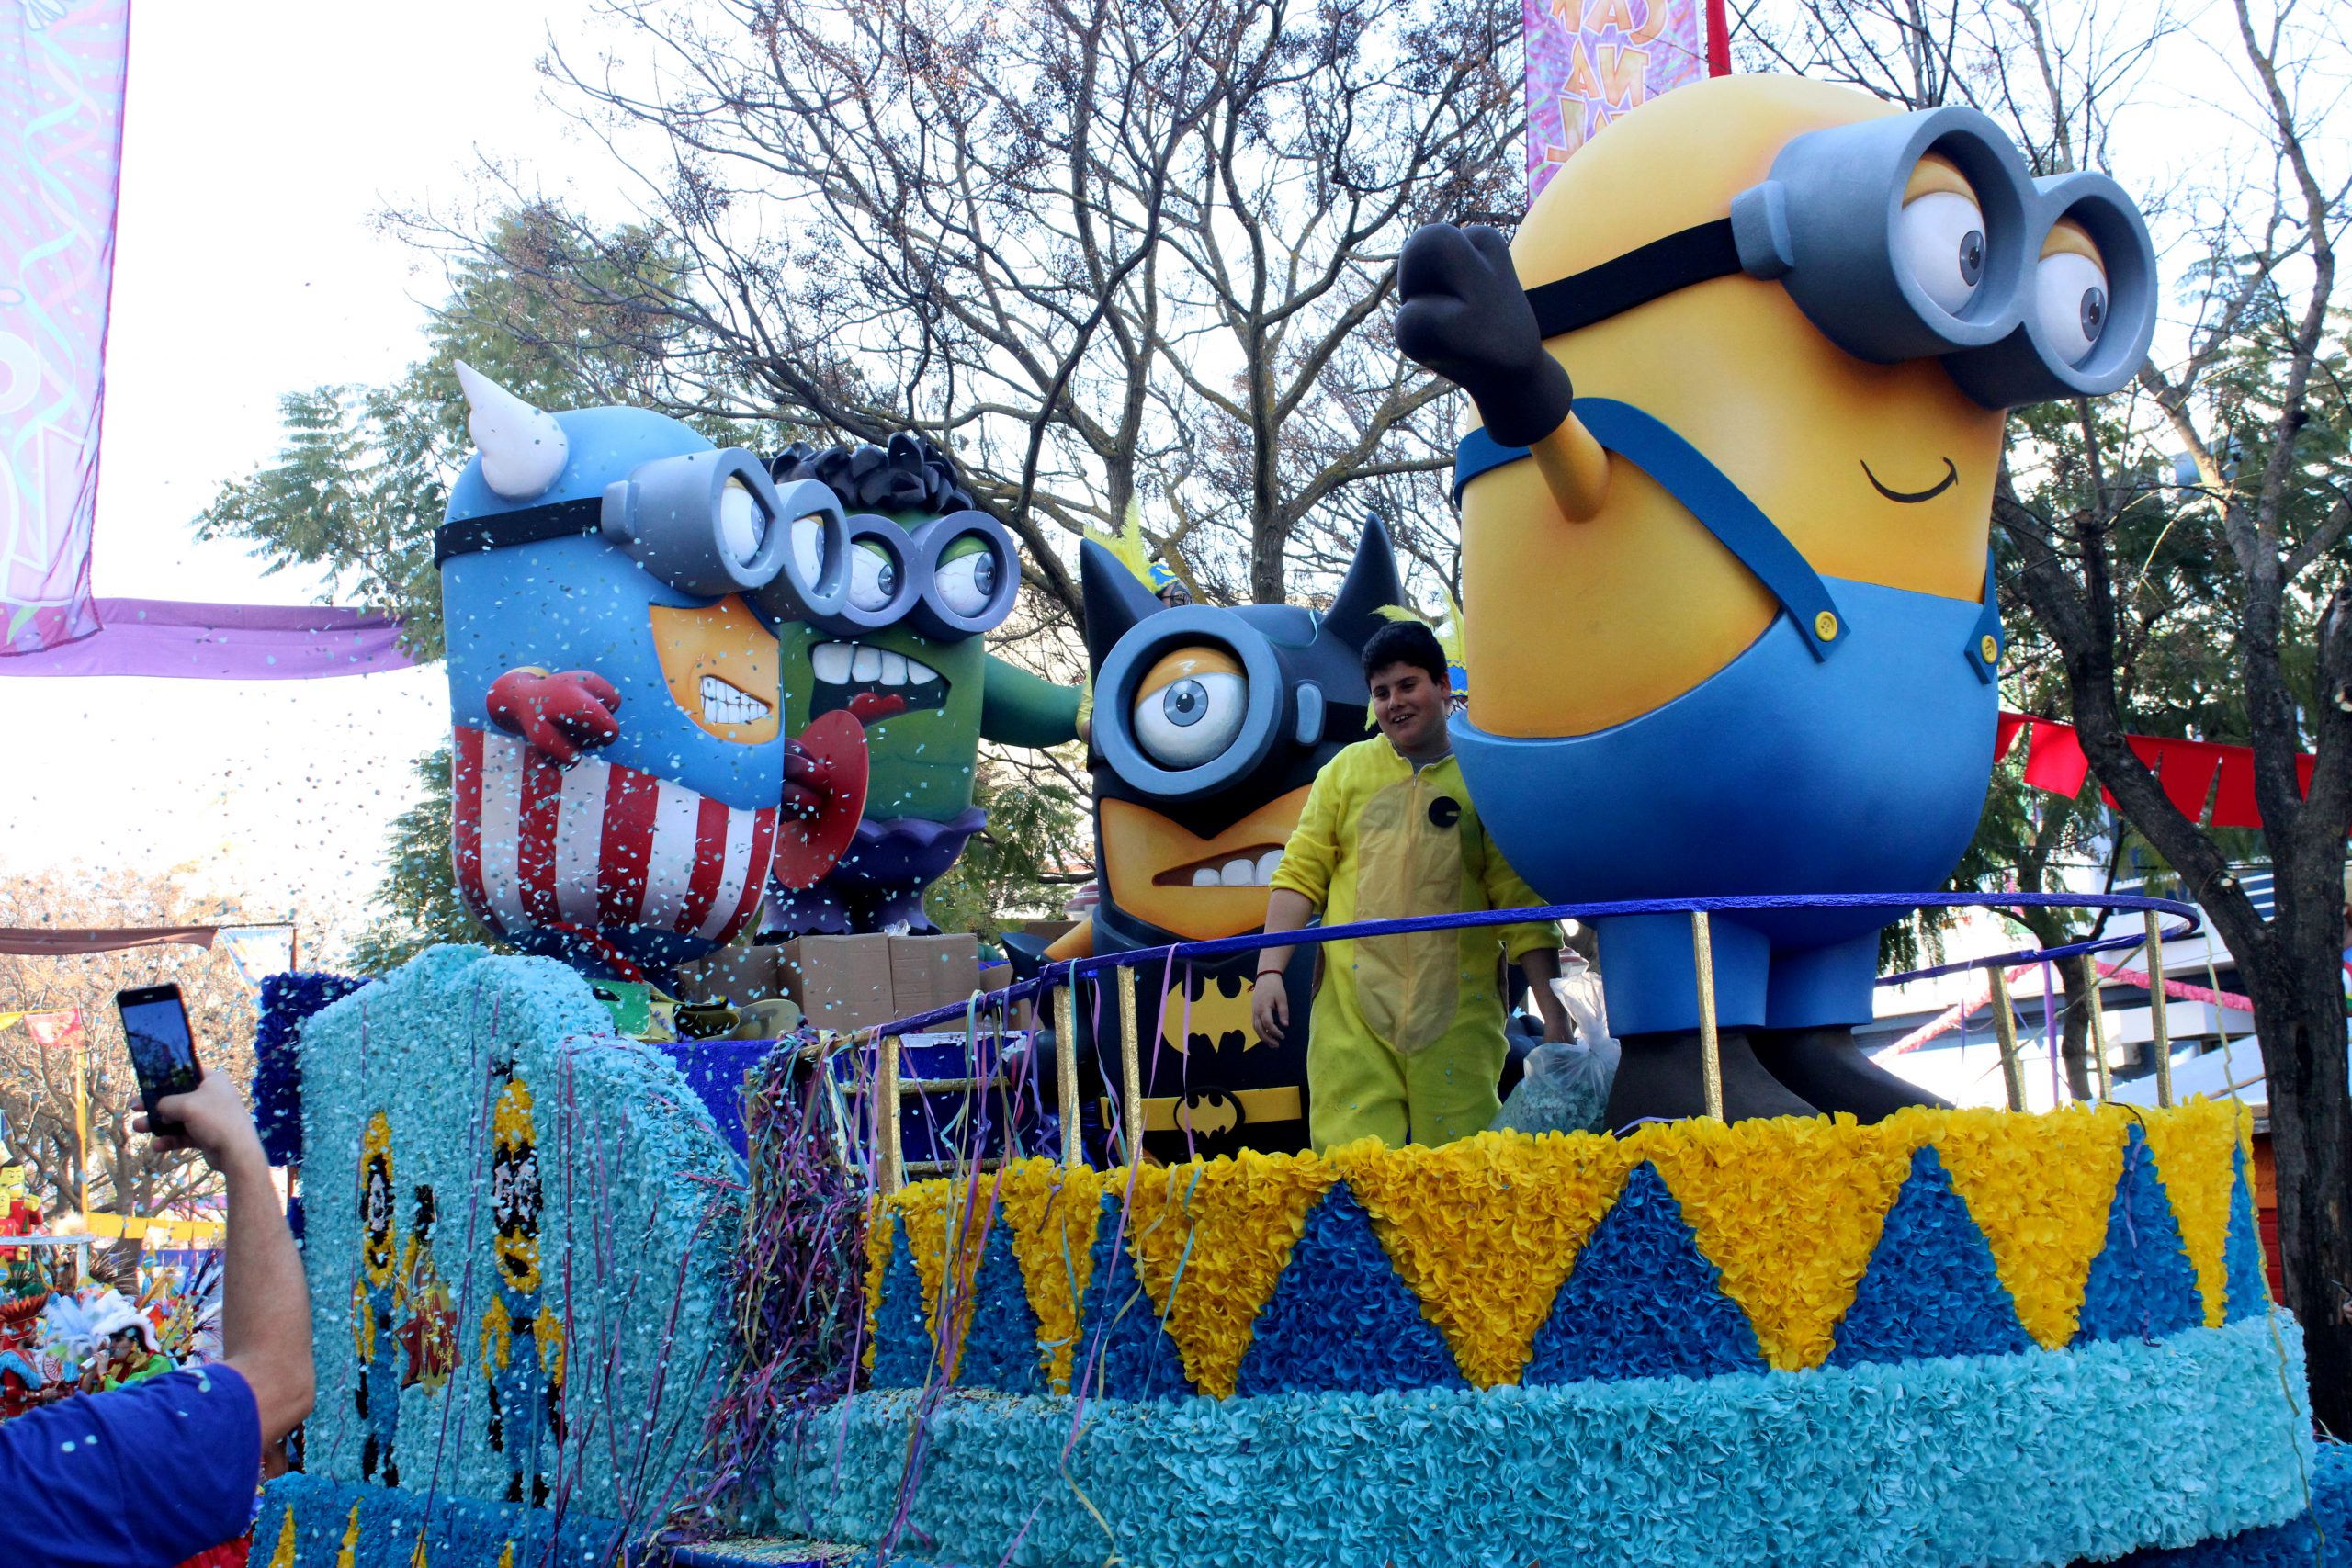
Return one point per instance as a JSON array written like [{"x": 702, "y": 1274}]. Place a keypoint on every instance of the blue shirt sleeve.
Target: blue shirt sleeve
[{"x": 150, "y": 1474}]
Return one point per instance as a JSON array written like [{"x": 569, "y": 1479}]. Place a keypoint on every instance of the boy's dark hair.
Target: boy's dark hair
[{"x": 1405, "y": 642}]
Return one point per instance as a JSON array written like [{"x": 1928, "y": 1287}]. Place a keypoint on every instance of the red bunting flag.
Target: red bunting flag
[
  {"x": 2190, "y": 771},
  {"x": 59, "y": 1030}
]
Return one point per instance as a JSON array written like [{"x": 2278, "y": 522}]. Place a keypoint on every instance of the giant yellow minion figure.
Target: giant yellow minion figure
[{"x": 1740, "y": 382}]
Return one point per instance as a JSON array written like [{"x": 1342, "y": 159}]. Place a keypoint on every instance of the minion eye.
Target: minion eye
[
  {"x": 966, "y": 584},
  {"x": 740, "y": 527},
  {"x": 809, "y": 547},
  {"x": 1191, "y": 720},
  {"x": 2070, "y": 298},
  {"x": 1939, "y": 242},
  {"x": 872, "y": 578}
]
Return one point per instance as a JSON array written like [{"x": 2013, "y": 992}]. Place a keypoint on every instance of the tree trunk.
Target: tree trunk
[
  {"x": 2075, "y": 981},
  {"x": 2298, "y": 1014}
]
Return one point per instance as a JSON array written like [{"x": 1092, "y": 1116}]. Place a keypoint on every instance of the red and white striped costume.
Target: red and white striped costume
[{"x": 599, "y": 847}]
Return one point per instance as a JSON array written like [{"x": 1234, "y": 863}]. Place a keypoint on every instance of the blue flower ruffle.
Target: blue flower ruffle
[
  {"x": 2248, "y": 1286},
  {"x": 1931, "y": 1288},
  {"x": 1001, "y": 1347},
  {"x": 1123, "y": 1349},
  {"x": 903, "y": 1353},
  {"x": 286, "y": 1001},
  {"x": 1643, "y": 1300},
  {"x": 2141, "y": 1284},
  {"x": 457, "y": 1532},
  {"x": 1341, "y": 1318}
]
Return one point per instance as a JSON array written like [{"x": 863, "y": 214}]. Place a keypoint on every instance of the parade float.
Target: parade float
[{"x": 578, "y": 1292}]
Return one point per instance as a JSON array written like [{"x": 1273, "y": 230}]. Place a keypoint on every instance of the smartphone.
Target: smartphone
[{"x": 162, "y": 1051}]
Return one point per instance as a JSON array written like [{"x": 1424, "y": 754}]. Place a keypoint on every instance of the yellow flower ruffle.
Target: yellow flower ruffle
[{"x": 1484, "y": 1232}]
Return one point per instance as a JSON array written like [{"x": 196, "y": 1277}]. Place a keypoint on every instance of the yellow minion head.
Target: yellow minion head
[
  {"x": 375, "y": 1199},
  {"x": 1833, "y": 302},
  {"x": 515, "y": 1187}
]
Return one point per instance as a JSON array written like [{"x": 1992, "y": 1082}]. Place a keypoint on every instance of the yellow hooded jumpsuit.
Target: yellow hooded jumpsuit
[{"x": 1407, "y": 1037}]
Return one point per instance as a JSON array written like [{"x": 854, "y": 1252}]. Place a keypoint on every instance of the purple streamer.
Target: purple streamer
[{"x": 221, "y": 642}]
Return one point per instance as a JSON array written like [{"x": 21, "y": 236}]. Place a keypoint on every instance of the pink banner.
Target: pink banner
[
  {"x": 62, "y": 68},
  {"x": 1591, "y": 61}
]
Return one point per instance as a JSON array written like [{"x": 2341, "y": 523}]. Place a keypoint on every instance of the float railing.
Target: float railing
[{"x": 1058, "y": 981}]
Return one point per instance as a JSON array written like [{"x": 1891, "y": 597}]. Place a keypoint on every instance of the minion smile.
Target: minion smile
[
  {"x": 873, "y": 683},
  {"x": 723, "y": 703},
  {"x": 1251, "y": 867},
  {"x": 1913, "y": 497}
]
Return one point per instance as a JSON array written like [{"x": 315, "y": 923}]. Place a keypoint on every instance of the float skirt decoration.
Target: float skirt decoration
[{"x": 1769, "y": 1342}]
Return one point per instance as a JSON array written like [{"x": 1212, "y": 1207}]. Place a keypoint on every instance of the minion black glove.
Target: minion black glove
[{"x": 1465, "y": 316}]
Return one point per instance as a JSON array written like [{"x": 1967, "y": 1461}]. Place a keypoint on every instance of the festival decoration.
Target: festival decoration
[
  {"x": 1209, "y": 724},
  {"x": 1591, "y": 62},
  {"x": 1766, "y": 585},
  {"x": 611, "y": 586},
  {"x": 929, "y": 574},
  {"x": 536, "y": 1220}
]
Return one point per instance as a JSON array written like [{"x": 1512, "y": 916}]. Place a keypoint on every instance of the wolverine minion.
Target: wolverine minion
[
  {"x": 376, "y": 1396},
  {"x": 1726, "y": 506}
]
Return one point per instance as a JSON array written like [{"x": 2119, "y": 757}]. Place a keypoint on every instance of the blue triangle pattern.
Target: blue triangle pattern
[
  {"x": 1643, "y": 1300},
  {"x": 1122, "y": 1345},
  {"x": 1341, "y": 1320},
  {"x": 2142, "y": 1285},
  {"x": 1001, "y": 1347},
  {"x": 2247, "y": 1293},
  {"x": 903, "y": 1348},
  {"x": 1931, "y": 1288}
]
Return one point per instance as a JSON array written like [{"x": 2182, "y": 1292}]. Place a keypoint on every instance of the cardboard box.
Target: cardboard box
[
  {"x": 740, "y": 976},
  {"x": 929, "y": 972},
  {"x": 841, "y": 982}
]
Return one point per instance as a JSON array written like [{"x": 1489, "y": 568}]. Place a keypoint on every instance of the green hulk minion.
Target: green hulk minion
[{"x": 929, "y": 574}]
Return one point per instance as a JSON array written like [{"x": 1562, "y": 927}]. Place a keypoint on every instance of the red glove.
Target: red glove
[
  {"x": 561, "y": 715},
  {"x": 808, "y": 783}
]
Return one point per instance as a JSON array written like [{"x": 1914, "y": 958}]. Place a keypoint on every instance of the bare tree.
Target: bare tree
[
  {"x": 2214, "y": 605},
  {"x": 1100, "y": 249},
  {"x": 127, "y": 1174}
]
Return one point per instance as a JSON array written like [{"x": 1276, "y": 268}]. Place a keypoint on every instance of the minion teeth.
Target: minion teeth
[
  {"x": 724, "y": 704},
  {"x": 1255, "y": 869},
  {"x": 874, "y": 683}
]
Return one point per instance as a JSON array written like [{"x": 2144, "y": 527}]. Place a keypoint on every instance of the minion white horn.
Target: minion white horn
[{"x": 522, "y": 449}]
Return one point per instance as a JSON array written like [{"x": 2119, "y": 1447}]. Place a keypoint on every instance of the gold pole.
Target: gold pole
[
  {"x": 2159, "y": 1025},
  {"x": 890, "y": 1169},
  {"x": 1065, "y": 1071},
  {"x": 1130, "y": 1069},
  {"x": 2213, "y": 979},
  {"x": 2004, "y": 1026},
  {"x": 1710, "y": 1061},
  {"x": 2098, "y": 1031}
]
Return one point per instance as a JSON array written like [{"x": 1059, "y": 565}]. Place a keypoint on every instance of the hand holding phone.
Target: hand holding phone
[{"x": 162, "y": 1050}]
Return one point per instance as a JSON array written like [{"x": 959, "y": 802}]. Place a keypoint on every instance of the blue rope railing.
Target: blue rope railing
[{"x": 1072, "y": 970}]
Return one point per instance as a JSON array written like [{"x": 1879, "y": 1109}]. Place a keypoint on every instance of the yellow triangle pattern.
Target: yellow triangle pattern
[
  {"x": 416, "y": 1558},
  {"x": 934, "y": 1214},
  {"x": 348, "y": 1557},
  {"x": 1052, "y": 1213},
  {"x": 283, "y": 1555},
  {"x": 1789, "y": 1211},
  {"x": 2038, "y": 1188},
  {"x": 2194, "y": 1144},
  {"x": 1485, "y": 1231},
  {"x": 880, "y": 1229},
  {"x": 1229, "y": 1226}
]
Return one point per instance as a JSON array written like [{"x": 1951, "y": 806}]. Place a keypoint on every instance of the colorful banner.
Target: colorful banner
[
  {"x": 61, "y": 66},
  {"x": 187, "y": 640},
  {"x": 59, "y": 1030},
  {"x": 1591, "y": 61}
]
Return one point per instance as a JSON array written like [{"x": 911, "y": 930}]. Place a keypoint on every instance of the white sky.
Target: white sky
[{"x": 262, "y": 137}]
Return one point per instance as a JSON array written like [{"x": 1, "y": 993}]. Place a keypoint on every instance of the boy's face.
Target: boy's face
[{"x": 1410, "y": 706}]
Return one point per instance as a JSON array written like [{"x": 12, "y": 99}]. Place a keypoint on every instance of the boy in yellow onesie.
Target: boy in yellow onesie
[{"x": 1407, "y": 1037}]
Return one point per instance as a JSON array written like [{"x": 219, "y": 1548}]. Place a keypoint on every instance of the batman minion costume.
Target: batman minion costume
[
  {"x": 1209, "y": 726},
  {"x": 1748, "y": 539}
]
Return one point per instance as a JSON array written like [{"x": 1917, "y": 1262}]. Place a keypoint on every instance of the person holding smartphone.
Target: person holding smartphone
[{"x": 161, "y": 1471}]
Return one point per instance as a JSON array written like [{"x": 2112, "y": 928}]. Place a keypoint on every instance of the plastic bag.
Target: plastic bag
[{"x": 1566, "y": 1087}]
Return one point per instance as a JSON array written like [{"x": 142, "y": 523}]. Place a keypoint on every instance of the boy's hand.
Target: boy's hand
[
  {"x": 1270, "y": 1007},
  {"x": 213, "y": 1122}
]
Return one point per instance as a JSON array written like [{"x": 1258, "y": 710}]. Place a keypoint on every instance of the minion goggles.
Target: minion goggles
[
  {"x": 709, "y": 523},
  {"x": 1830, "y": 224},
  {"x": 905, "y": 574}
]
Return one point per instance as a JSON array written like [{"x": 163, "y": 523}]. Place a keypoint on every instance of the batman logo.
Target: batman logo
[
  {"x": 1205, "y": 1012},
  {"x": 1208, "y": 1114}
]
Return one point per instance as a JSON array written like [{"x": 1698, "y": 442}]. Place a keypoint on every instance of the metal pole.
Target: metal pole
[
  {"x": 2005, "y": 1028},
  {"x": 2159, "y": 1025},
  {"x": 1065, "y": 1071},
  {"x": 2098, "y": 1032},
  {"x": 1130, "y": 1069},
  {"x": 1710, "y": 1061},
  {"x": 82, "y": 1126},
  {"x": 2213, "y": 979},
  {"x": 890, "y": 1170}
]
